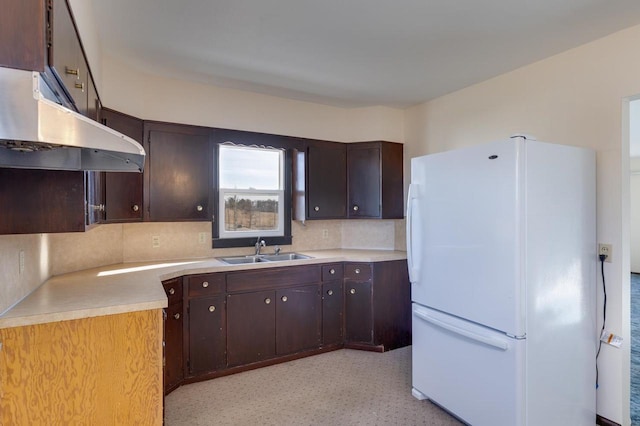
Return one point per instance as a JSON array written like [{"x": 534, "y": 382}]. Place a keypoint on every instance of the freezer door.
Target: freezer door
[
  {"x": 474, "y": 372},
  {"x": 464, "y": 234}
]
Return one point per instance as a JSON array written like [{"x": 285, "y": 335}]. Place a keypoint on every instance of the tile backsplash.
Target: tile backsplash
[{"x": 54, "y": 254}]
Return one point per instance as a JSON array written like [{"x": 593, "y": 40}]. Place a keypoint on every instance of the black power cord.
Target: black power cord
[{"x": 604, "y": 312}]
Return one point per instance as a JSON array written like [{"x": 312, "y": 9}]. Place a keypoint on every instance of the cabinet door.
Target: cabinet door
[
  {"x": 123, "y": 191},
  {"x": 332, "y": 312},
  {"x": 173, "y": 371},
  {"x": 358, "y": 311},
  {"x": 207, "y": 334},
  {"x": 364, "y": 180},
  {"x": 251, "y": 327},
  {"x": 327, "y": 177},
  {"x": 298, "y": 319},
  {"x": 35, "y": 201},
  {"x": 179, "y": 172},
  {"x": 66, "y": 57}
]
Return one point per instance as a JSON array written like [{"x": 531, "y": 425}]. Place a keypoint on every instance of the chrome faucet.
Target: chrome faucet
[
  {"x": 259, "y": 244},
  {"x": 276, "y": 250}
]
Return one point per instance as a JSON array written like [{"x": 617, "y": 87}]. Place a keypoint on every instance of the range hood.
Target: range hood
[{"x": 36, "y": 132}]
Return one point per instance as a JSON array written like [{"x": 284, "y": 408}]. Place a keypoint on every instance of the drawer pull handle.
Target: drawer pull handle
[
  {"x": 352, "y": 291},
  {"x": 332, "y": 271},
  {"x": 284, "y": 298},
  {"x": 172, "y": 291},
  {"x": 356, "y": 208},
  {"x": 205, "y": 284},
  {"x": 135, "y": 208},
  {"x": 212, "y": 308},
  {"x": 267, "y": 301},
  {"x": 330, "y": 292},
  {"x": 72, "y": 71},
  {"x": 357, "y": 270},
  {"x": 176, "y": 315},
  {"x": 199, "y": 208},
  {"x": 316, "y": 208}
]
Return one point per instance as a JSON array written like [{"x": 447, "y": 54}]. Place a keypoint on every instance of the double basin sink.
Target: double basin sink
[{"x": 263, "y": 258}]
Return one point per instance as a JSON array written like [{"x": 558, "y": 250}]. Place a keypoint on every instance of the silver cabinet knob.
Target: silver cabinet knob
[
  {"x": 352, "y": 291},
  {"x": 356, "y": 208},
  {"x": 357, "y": 271},
  {"x": 176, "y": 315},
  {"x": 199, "y": 208},
  {"x": 284, "y": 298},
  {"x": 135, "y": 207},
  {"x": 172, "y": 291},
  {"x": 332, "y": 271},
  {"x": 316, "y": 208},
  {"x": 205, "y": 284},
  {"x": 267, "y": 301},
  {"x": 212, "y": 308},
  {"x": 330, "y": 292}
]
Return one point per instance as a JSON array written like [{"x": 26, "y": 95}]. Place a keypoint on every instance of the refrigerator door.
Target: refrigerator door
[
  {"x": 474, "y": 372},
  {"x": 464, "y": 234}
]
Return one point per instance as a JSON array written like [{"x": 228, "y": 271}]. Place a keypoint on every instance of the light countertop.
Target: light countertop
[{"x": 130, "y": 287}]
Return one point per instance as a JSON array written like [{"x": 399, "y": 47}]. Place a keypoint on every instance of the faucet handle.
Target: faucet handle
[{"x": 277, "y": 249}]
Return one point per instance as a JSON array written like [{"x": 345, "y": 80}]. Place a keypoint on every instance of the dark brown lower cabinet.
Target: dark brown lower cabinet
[
  {"x": 240, "y": 320},
  {"x": 359, "y": 312},
  {"x": 207, "y": 334},
  {"x": 251, "y": 327},
  {"x": 332, "y": 313},
  {"x": 377, "y": 305},
  {"x": 298, "y": 319},
  {"x": 173, "y": 358}
]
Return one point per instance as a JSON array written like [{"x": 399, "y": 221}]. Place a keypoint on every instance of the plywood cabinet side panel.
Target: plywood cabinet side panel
[{"x": 101, "y": 370}]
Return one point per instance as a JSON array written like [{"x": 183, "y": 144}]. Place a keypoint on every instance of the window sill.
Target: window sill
[{"x": 250, "y": 241}]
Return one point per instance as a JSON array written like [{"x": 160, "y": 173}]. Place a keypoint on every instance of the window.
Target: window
[{"x": 251, "y": 192}]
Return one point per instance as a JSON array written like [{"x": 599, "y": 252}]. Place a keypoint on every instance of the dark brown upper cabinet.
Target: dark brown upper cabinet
[
  {"x": 326, "y": 177},
  {"x": 39, "y": 201},
  {"x": 374, "y": 180},
  {"x": 23, "y": 39},
  {"x": 123, "y": 191},
  {"x": 178, "y": 178},
  {"x": 362, "y": 180}
]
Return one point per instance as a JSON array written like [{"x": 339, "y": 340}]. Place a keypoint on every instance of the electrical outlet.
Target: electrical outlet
[
  {"x": 21, "y": 262},
  {"x": 202, "y": 237},
  {"x": 155, "y": 241},
  {"x": 606, "y": 250},
  {"x": 325, "y": 234}
]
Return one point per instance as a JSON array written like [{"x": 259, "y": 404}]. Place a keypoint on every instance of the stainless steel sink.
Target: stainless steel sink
[
  {"x": 284, "y": 256},
  {"x": 263, "y": 258}
]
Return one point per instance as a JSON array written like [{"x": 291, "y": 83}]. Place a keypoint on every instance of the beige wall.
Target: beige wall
[
  {"x": 575, "y": 98},
  {"x": 153, "y": 97}
]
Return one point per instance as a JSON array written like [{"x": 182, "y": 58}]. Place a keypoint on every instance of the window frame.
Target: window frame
[{"x": 259, "y": 140}]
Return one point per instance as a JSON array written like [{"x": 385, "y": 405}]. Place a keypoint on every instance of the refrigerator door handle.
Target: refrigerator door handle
[
  {"x": 413, "y": 273},
  {"x": 496, "y": 343}
]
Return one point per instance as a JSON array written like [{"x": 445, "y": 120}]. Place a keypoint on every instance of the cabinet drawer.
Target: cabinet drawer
[
  {"x": 207, "y": 284},
  {"x": 173, "y": 288},
  {"x": 334, "y": 271},
  {"x": 272, "y": 278},
  {"x": 357, "y": 271}
]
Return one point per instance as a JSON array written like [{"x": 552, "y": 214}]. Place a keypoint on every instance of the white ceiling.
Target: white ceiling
[{"x": 350, "y": 52}]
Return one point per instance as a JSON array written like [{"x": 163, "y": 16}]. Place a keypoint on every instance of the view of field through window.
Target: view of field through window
[
  {"x": 251, "y": 188},
  {"x": 245, "y": 212}
]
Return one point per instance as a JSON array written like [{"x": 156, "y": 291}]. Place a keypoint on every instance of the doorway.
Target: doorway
[{"x": 634, "y": 252}]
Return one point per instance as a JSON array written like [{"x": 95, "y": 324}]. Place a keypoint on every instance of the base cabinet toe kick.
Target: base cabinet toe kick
[{"x": 226, "y": 322}]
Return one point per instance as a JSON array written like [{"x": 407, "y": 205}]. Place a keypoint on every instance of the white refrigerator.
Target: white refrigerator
[{"x": 502, "y": 261}]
